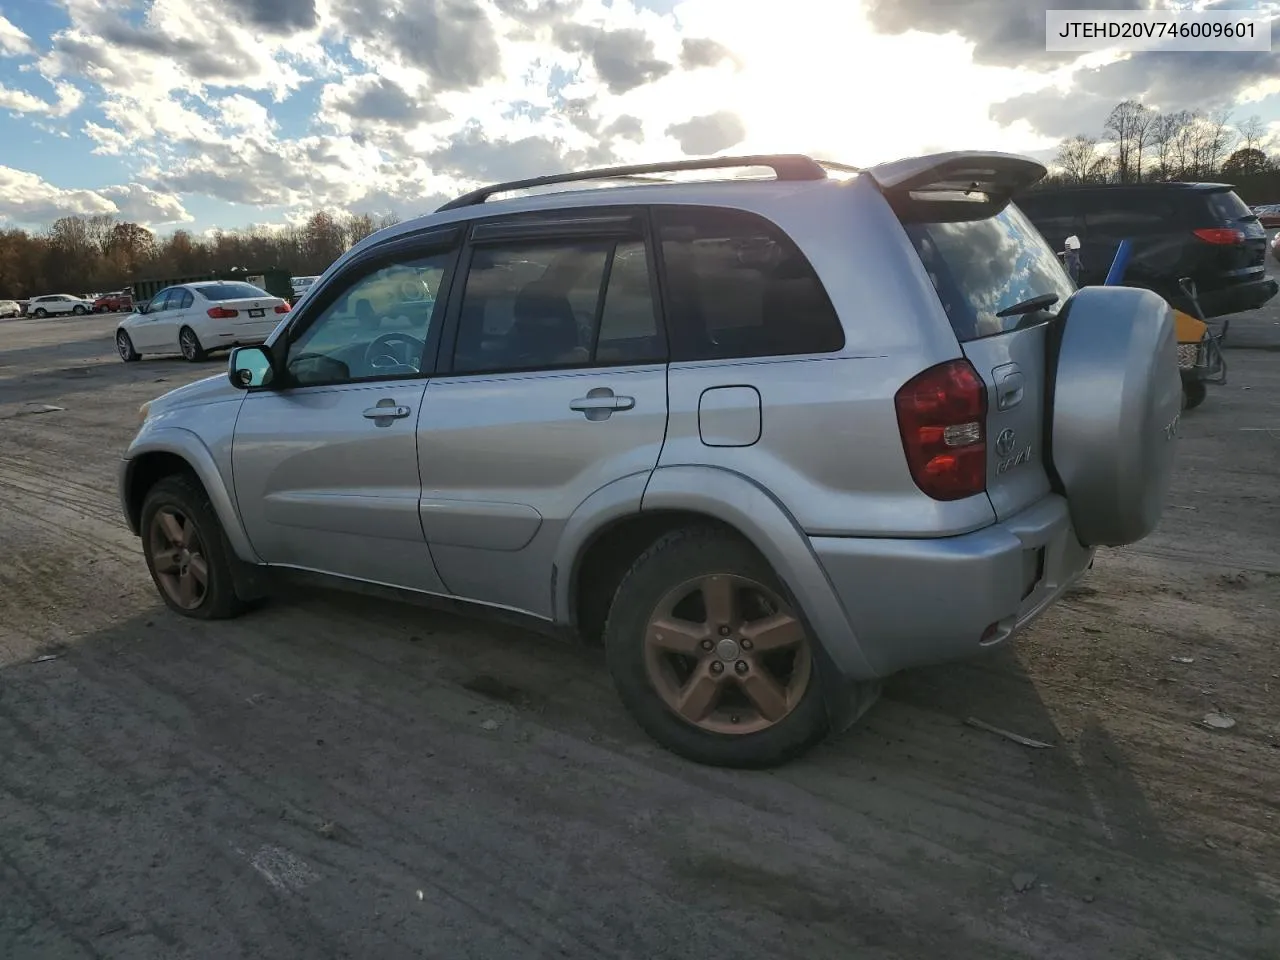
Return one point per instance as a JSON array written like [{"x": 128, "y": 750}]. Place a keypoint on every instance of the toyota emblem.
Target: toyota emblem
[{"x": 1004, "y": 442}]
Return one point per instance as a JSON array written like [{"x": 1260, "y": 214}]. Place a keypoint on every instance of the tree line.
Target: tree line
[
  {"x": 1139, "y": 144},
  {"x": 80, "y": 255}
]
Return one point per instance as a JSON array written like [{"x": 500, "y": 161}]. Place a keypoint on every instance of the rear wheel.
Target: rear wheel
[
  {"x": 710, "y": 656},
  {"x": 190, "y": 345},
  {"x": 124, "y": 347},
  {"x": 187, "y": 552}
]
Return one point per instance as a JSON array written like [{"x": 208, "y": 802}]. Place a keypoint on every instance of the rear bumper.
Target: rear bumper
[
  {"x": 1224, "y": 301},
  {"x": 916, "y": 602}
]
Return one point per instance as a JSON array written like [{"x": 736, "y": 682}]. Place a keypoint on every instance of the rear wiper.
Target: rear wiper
[{"x": 1042, "y": 302}]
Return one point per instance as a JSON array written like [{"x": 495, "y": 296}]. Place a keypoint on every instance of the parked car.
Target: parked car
[
  {"x": 1200, "y": 231},
  {"x": 1275, "y": 247},
  {"x": 301, "y": 285},
  {"x": 10, "y": 308},
  {"x": 56, "y": 304},
  {"x": 195, "y": 318},
  {"x": 1268, "y": 215},
  {"x": 113, "y": 302},
  {"x": 764, "y": 482}
]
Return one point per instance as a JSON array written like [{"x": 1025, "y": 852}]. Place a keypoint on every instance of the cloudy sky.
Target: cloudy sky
[{"x": 199, "y": 113}]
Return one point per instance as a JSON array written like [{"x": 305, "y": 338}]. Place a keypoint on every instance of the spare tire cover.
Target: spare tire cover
[{"x": 1116, "y": 407}]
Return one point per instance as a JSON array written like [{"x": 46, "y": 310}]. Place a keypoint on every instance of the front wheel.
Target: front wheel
[
  {"x": 187, "y": 552},
  {"x": 40, "y": 313},
  {"x": 79, "y": 310},
  {"x": 124, "y": 346},
  {"x": 189, "y": 343},
  {"x": 710, "y": 656}
]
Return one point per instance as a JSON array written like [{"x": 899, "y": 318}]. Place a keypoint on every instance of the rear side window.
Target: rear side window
[
  {"x": 231, "y": 291},
  {"x": 1226, "y": 206},
  {"x": 1130, "y": 214},
  {"x": 738, "y": 287},
  {"x": 980, "y": 267},
  {"x": 550, "y": 305}
]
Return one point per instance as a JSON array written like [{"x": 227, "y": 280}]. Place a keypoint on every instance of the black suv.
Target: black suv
[{"x": 1198, "y": 230}]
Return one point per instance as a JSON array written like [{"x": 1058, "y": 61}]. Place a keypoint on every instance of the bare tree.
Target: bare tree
[
  {"x": 1079, "y": 159},
  {"x": 1164, "y": 131},
  {"x": 1252, "y": 131},
  {"x": 1220, "y": 139},
  {"x": 1127, "y": 127}
]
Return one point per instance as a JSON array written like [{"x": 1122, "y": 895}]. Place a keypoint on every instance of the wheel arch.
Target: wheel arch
[
  {"x": 604, "y": 536},
  {"x": 172, "y": 451}
]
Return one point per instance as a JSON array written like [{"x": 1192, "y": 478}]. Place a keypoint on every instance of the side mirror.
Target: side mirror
[{"x": 250, "y": 367}]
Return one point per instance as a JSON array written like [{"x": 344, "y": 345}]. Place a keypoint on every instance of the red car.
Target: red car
[
  {"x": 113, "y": 302},
  {"x": 1268, "y": 215}
]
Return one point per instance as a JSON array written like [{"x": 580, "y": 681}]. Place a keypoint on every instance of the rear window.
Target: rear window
[
  {"x": 980, "y": 267},
  {"x": 738, "y": 287},
  {"x": 1225, "y": 205},
  {"x": 231, "y": 291}
]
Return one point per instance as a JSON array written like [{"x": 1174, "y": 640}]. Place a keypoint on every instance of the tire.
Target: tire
[
  {"x": 189, "y": 344},
  {"x": 182, "y": 498},
  {"x": 79, "y": 310},
  {"x": 124, "y": 347},
  {"x": 668, "y": 567},
  {"x": 1193, "y": 394},
  {"x": 40, "y": 313}
]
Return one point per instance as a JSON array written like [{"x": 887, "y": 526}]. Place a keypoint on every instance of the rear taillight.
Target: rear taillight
[
  {"x": 282, "y": 308},
  {"x": 942, "y": 415},
  {"x": 222, "y": 313},
  {"x": 1222, "y": 236}
]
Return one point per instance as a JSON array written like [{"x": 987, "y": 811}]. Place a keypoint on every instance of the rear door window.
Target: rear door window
[
  {"x": 737, "y": 286},
  {"x": 1130, "y": 215},
  {"x": 980, "y": 267}
]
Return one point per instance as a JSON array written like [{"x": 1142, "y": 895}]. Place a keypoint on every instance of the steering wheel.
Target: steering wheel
[{"x": 393, "y": 350}]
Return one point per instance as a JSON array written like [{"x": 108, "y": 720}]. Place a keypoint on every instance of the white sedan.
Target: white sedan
[
  {"x": 58, "y": 303},
  {"x": 195, "y": 318}
]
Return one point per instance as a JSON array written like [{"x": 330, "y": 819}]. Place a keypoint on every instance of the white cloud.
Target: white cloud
[
  {"x": 141, "y": 204},
  {"x": 28, "y": 198},
  {"x": 68, "y": 99},
  {"x": 13, "y": 42}
]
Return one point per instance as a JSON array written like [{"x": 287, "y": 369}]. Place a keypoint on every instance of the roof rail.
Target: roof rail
[{"x": 785, "y": 166}]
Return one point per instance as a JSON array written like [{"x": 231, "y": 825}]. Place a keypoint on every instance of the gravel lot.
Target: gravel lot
[{"x": 322, "y": 778}]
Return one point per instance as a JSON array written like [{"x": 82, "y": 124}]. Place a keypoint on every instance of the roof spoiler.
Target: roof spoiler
[{"x": 999, "y": 176}]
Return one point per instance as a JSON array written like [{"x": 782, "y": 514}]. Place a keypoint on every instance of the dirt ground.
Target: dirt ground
[{"x": 337, "y": 776}]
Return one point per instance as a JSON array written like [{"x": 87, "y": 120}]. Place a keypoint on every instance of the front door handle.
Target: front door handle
[
  {"x": 385, "y": 411},
  {"x": 600, "y": 403}
]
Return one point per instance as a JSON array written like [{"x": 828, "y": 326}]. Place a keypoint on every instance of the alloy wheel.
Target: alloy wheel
[
  {"x": 178, "y": 557},
  {"x": 727, "y": 654}
]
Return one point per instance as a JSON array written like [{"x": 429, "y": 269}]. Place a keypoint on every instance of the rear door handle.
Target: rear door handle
[
  {"x": 387, "y": 410},
  {"x": 585, "y": 404},
  {"x": 601, "y": 403}
]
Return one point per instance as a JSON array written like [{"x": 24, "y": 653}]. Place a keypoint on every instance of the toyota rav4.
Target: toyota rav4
[{"x": 769, "y": 439}]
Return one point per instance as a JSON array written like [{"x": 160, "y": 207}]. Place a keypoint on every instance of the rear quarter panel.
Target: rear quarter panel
[{"x": 828, "y": 446}]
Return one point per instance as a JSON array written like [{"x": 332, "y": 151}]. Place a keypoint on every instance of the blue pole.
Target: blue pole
[{"x": 1123, "y": 254}]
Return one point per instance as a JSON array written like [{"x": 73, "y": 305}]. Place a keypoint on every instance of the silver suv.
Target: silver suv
[{"x": 769, "y": 438}]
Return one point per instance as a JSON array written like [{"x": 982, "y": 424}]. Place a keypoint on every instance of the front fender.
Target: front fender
[
  {"x": 747, "y": 507},
  {"x": 183, "y": 443}
]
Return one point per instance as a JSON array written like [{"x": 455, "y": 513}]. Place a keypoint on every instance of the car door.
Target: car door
[
  {"x": 146, "y": 334},
  {"x": 325, "y": 461},
  {"x": 552, "y": 385},
  {"x": 172, "y": 319}
]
